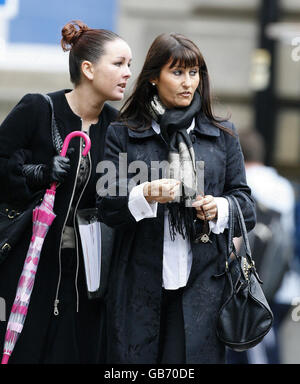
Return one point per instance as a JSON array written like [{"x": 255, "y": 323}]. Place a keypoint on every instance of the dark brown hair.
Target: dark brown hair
[
  {"x": 178, "y": 50},
  {"x": 84, "y": 43}
]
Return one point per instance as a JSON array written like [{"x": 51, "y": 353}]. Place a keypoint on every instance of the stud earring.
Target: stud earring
[{"x": 153, "y": 84}]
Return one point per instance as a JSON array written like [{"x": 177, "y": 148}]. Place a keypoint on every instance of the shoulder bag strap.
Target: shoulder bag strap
[{"x": 56, "y": 137}]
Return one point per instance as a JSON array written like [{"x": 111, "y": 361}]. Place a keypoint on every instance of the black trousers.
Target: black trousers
[{"x": 172, "y": 336}]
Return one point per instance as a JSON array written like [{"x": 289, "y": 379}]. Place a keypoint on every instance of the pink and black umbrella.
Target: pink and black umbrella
[{"x": 42, "y": 217}]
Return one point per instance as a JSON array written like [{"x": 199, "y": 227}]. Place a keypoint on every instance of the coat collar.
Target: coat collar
[
  {"x": 202, "y": 126},
  {"x": 62, "y": 108},
  {"x": 205, "y": 127},
  {"x": 140, "y": 135},
  {"x": 136, "y": 134}
]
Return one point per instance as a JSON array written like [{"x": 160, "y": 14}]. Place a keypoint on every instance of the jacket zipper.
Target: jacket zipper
[
  {"x": 74, "y": 224},
  {"x": 56, "y": 301}
]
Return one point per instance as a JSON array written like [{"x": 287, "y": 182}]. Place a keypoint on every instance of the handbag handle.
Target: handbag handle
[
  {"x": 243, "y": 228},
  {"x": 231, "y": 247},
  {"x": 234, "y": 207}
]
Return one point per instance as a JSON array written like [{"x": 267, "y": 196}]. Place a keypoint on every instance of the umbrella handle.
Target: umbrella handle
[
  {"x": 67, "y": 140},
  {"x": 70, "y": 137}
]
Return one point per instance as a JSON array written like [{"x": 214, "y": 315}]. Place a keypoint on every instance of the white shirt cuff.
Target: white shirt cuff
[
  {"x": 139, "y": 206},
  {"x": 218, "y": 226}
]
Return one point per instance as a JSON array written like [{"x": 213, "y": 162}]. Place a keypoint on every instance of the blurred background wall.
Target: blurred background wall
[{"x": 252, "y": 48}]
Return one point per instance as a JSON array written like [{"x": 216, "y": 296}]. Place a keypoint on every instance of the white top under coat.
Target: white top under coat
[{"x": 177, "y": 254}]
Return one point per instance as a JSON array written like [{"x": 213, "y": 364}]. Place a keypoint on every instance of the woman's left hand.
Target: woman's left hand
[{"x": 206, "y": 207}]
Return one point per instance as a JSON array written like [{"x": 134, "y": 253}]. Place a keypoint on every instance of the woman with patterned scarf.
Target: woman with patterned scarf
[{"x": 171, "y": 220}]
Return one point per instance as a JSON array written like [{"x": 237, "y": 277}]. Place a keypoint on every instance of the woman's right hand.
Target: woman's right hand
[
  {"x": 58, "y": 169},
  {"x": 40, "y": 175},
  {"x": 161, "y": 191}
]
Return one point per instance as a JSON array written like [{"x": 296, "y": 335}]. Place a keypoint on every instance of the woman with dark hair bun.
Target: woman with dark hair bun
[
  {"x": 170, "y": 212},
  {"x": 62, "y": 325}
]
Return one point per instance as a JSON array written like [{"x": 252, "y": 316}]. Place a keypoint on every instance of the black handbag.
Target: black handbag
[
  {"x": 13, "y": 223},
  {"x": 245, "y": 316},
  {"x": 14, "y": 220}
]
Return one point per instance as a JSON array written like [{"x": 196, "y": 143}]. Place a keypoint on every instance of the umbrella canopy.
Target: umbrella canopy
[{"x": 42, "y": 218}]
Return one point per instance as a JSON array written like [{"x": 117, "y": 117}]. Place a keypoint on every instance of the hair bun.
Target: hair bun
[{"x": 71, "y": 33}]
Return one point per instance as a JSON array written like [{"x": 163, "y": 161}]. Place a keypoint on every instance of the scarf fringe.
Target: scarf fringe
[{"x": 181, "y": 220}]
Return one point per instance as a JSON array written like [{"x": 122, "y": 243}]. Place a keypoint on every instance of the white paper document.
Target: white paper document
[{"x": 90, "y": 235}]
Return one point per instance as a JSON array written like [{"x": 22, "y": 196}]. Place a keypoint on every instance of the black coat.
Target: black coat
[
  {"x": 134, "y": 298},
  {"x": 28, "y": 127}
]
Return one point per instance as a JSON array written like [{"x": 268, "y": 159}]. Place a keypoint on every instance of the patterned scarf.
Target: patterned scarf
[{"x": 174, "y": 124}]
